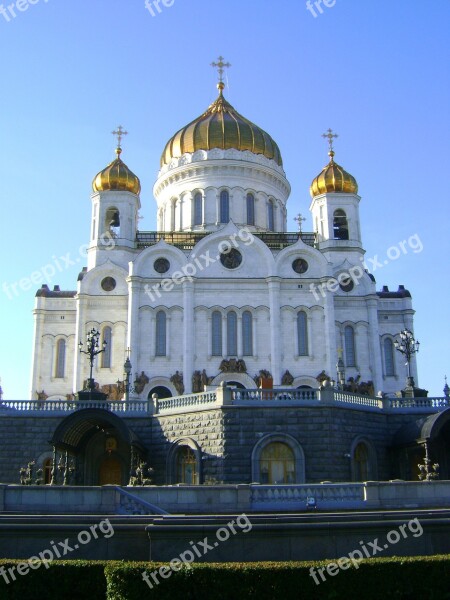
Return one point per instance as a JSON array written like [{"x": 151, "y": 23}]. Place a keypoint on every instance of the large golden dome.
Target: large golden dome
[
  {"x": 221, "y": 126},
  {"x": 117, "y": 176},
  {"x": 333, "y": 178}
]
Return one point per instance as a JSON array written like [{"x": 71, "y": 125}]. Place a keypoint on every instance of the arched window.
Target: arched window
[
  {"x": 340, "y": 225},
  {"x": 216, "y": 333},
  {"x": 247, "y": 334},
  {"x": 60, "y": 366},
  {"x": 389, "y": 357},
  {"x": 187, "y": 471},
  {"x": 361, "y": 462},
  {"x": 198, "y": 216},
  {"x": 350, "y": 356},
  {"x": 250, "y": 209},
  {"x": 232, "y": 334},
  {"x": 224, "y": 206},
  {"x": 160, "y": 349},
  {"x": 271, "y": 216},
  {"x": 277, "y": 464},
  {"x": 106, "y": 355},
  {"x": 302, "y": 333},
  {"x": 112, "y": 222}
]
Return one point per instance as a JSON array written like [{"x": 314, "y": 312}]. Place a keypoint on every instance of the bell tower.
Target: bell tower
[
  {"x": 335, "y": 204},
  {"x": 115, "y": 206}
]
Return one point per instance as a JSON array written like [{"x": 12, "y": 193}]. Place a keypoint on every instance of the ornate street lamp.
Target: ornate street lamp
[
  {"x": 92, "y": 350},
  {"x": 340, "y": 370},
  {"x": 127, "y": 367},
  {"x": 408, "y": 346}
]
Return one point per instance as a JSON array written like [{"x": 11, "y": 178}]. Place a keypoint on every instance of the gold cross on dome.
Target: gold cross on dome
[
  {"x": 330, "y": 135},
  {"x": 120, "y": 132},
  {"x": 220, "y": 67},
  {"x": 299, "y": 220}
]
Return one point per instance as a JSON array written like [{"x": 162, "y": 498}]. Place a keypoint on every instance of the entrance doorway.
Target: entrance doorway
[{"x": 110, "y": 472}]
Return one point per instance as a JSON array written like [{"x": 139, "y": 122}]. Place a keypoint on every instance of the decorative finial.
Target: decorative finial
[
  {"x": 330, "y": 135},
  {"x": 120, "y": 132},
  {"x": 299, "y": 220},
  {"x": 220, "y": 69}
]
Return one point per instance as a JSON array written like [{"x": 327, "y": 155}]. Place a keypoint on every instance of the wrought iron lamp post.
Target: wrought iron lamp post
[
  {"x": 92, "y": 350},
  {"x": 340, "y": 370},
  {"x": 408, "y": 346},
  {"x": 127, "y": 387},
  {"x": 127, "y": 370}
]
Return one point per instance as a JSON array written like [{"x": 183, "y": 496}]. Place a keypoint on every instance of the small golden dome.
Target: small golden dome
[
  {"x": 333, "y": 178},
  {"x": 117, "y": 176},
  {"x": 221, "y": 126}
]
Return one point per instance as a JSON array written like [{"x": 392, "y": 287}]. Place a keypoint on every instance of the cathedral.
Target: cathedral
[
  {"x": 222, "y": 291},
  {"x": 222, "y": 348}
]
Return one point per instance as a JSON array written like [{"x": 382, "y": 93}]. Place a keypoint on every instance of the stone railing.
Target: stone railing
[
  {"x": 272, "y": 395},
  {"x": 222, "y": 396},
  {"x": 121, "y": 406},
  {"x": 186, "y": 401},
  {"x": 325, "y": 495},
  {"x": 351, "y": 398},
  {"x": 399, "y": 403},
  {"x": 130, "y": 504}
]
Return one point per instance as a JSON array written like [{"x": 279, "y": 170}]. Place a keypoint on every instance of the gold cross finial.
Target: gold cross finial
[
  {"x": 220, "y": 67},
  {"x": 330, "y": 135},
  {"x": 299, "y": 220},
  {"x": 120, "y": 132}
]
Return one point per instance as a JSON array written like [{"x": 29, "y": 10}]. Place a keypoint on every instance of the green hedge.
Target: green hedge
[
  {"x": 424, "y": 578},
  {"x": 63, "y": 580}
]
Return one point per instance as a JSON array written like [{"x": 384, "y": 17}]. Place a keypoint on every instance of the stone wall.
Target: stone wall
[{"x": 226, "y": 437}]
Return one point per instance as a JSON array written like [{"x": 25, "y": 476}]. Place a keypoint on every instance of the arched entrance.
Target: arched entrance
[
  {"x": 94, "y": 447},
  {"x": 426, "y": 436},
  {"x": 161, "y": 391},
  {"x": 235, "y": 384},
  {"x": 110, "y": 471}
]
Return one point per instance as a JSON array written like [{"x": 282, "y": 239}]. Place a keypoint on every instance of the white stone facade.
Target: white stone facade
[{"x": 179, "y": 320}]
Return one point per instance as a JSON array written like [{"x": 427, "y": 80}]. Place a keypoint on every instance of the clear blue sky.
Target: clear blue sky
[{"x": 375, "y": 71}]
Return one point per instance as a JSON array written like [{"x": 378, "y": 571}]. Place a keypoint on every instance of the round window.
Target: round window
[
  {"x": 231, "y": 259},
  {"x": 108, "y": 284},
  {"x": 300, "y": 265},
  {"x": 161, "y": 265},
  {"x": 346, "y": 284}
]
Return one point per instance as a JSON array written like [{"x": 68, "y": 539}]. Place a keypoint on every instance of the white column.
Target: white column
[
  {"x": 374, "y": 345},
  {"x": 188, "y": 335},
  {"x": 329, "y": 336},
  {"x": 133, "y": 325},
  {"x": 37, "y": 354},
  {"x": 80, "y": 360},
  {"x": 275, "y": 328}
]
